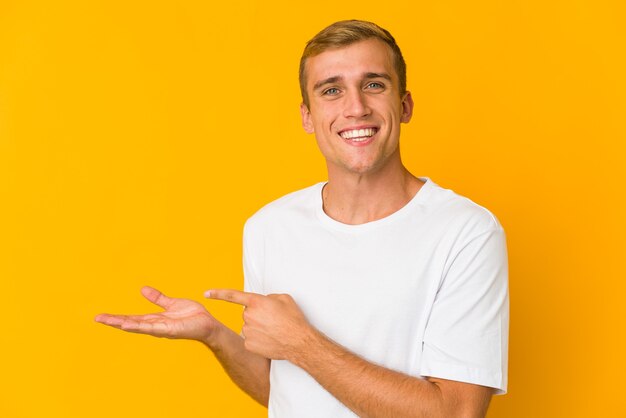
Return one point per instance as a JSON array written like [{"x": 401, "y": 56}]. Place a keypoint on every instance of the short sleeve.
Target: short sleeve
[
  {"x": 466, "y": 337},
  {"x": 252, "y": 254}
]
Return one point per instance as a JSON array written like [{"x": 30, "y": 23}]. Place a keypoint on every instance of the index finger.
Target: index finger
[{"x": 230, "y": 295}]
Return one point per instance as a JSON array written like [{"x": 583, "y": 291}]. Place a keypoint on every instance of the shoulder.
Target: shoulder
[
  {"x": 459, "y": 212},
  {"x": 300, "y": 204}
]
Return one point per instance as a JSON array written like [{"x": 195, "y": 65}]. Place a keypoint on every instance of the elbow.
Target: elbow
[{"x": 472, "y": 401}]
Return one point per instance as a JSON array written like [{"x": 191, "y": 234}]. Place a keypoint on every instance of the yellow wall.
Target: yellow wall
[{"x": 137, "y": 136}]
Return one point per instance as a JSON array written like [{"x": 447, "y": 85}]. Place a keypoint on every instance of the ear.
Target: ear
[
  {"x": 307, "y": 123},
  {"x": 407, "y": 107}
]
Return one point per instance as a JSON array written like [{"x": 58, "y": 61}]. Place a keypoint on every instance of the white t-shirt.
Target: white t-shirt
[{"x": 423, "y": 291}]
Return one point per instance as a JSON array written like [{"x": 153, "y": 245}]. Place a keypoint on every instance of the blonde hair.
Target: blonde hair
[{"x": 344, "y": 33}]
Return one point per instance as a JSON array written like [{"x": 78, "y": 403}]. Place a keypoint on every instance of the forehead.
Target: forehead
[{"x": 351, "y": 61}]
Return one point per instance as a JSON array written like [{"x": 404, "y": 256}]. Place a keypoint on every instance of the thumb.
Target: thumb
[{"x": 156, "y": 297}]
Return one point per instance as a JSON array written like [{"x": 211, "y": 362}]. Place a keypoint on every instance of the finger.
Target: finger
[
  {"x": 156, "y": 297},
  {"x": 118, "y": 320},
  {"x": 108, "y": 319},
  {"x": 133, "y": 323},
  {"x": 157, "y": 329},
  {"x": 230, "y": 295}
]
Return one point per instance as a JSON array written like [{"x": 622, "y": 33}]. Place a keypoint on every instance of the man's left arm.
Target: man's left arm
[{"x": 276, "y": 328}]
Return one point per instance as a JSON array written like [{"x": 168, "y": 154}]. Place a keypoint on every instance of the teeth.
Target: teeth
[{"x": 358, "y": 134}]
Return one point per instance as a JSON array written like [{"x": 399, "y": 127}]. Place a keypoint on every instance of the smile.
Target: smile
[{"x": 358, "y": 135}]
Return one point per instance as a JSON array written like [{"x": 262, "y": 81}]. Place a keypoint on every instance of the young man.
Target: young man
[{"x": 376, "y": 293}]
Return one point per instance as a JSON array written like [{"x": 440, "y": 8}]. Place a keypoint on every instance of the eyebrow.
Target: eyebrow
[
  {"x": 334, "y": 79},
  {"x": 377, "y": 75},
  {"x": 329, "y": 80}
]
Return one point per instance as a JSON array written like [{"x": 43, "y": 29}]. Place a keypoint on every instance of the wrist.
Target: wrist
[
  {"x": 214, "y": 337},
  {"x": 311, "y": 343}
]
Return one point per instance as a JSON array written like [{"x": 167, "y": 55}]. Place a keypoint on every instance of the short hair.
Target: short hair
[{"x": 344, "y": 33}]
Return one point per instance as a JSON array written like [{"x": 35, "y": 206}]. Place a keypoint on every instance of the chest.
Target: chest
[{"x": 354, "y": 288}]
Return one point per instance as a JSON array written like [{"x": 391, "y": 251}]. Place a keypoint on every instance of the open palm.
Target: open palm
[{"x": 181, "y": 318}]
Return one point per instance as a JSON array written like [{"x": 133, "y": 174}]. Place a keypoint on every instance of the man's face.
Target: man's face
[{"x": 355, "y": 108}]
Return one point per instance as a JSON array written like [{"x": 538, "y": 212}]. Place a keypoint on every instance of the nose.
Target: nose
[{"x": 356, "y": 105}]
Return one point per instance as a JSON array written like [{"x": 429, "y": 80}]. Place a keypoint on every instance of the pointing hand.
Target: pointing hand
[{"x": 274, "y": 326}]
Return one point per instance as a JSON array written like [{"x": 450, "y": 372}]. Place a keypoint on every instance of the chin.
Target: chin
[{"x": 362, "y": 169}]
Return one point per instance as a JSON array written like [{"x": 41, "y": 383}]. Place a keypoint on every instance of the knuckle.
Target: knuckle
[{"x": 285, "y": 297}]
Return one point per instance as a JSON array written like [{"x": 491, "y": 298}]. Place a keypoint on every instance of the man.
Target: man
[{"x": 376, "y": 293}]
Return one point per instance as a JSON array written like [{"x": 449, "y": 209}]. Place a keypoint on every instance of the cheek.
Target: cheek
[
  {"x": 325, "y": 147},
  {"x": 326, "y": 115}
]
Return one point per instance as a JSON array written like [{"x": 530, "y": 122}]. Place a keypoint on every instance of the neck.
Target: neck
[{"x": 360, "y": 198}]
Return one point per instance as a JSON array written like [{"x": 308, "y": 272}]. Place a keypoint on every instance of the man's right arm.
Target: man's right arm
[{"x": 188, "y": 319}]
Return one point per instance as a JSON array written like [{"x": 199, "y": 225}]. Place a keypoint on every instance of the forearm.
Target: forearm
[
  {"x": 248, "y": 370},
  {"x": 373, "y": 391}
]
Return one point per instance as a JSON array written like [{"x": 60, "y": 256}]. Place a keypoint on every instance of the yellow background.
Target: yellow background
[{"x": 137, "y": 137}]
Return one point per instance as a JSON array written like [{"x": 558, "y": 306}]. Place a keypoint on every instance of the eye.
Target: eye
[
  {"x": 374, "y": 85},
  {"x": 331, "y": 91}
]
